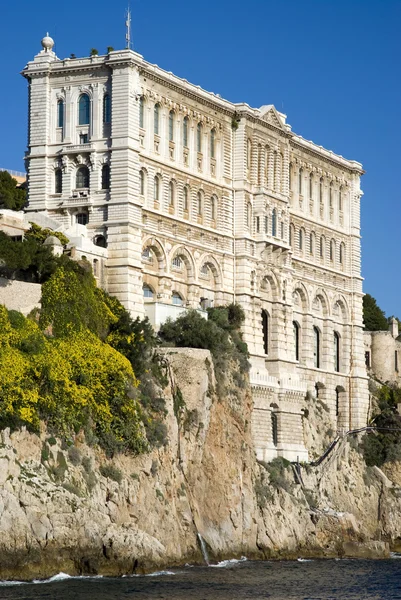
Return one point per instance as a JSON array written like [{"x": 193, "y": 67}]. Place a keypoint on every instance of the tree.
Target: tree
[
  {"x": 11, "y": 196},
  {"x": 26, "y": 260},
  {"x": 374, "y": 317},
  {"x": 40, "y": 234},
  {"x": 72, "y": 304}
]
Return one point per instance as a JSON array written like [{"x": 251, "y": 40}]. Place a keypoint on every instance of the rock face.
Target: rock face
[{"x": 70, "y": 509}]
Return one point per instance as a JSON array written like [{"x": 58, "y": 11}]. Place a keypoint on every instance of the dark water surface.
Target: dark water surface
[{"x": 232, "y": 580}]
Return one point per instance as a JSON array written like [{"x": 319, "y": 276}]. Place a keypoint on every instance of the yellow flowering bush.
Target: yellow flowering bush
[{"x": 72, "y": 383}]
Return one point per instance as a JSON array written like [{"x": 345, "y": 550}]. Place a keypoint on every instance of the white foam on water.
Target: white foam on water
[
  {"x": 395, "y": 555},
  {"x": 53, "y": 579},
  {"x": 158, "y": 573},
  {"x": 227, "y": 563},
  {"x": 304, "y": 560}
]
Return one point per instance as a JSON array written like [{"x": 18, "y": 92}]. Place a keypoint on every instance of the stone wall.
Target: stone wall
[{"x": 20, "y": 295}]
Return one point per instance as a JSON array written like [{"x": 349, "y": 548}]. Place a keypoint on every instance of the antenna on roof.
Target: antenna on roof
[{"x": 128, "y": 27}]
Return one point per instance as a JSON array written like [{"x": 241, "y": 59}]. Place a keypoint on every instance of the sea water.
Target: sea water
[{"x": 230, "y": 580}]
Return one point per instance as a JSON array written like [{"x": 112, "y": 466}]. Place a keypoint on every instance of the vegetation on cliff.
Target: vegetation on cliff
[
  {"x": 384, "y": 444},
  {"x": 220, "y": 334}
]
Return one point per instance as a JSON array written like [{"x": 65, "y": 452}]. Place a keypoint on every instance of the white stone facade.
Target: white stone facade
[{"x": 204, "y": 202}]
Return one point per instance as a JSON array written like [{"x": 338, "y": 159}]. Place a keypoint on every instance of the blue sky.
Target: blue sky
[{"x": 333, "y": 66}]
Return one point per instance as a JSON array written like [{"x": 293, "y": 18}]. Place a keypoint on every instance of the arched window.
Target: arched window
[
  {"x": 200, "y": 207},
  {"x": 265, "y": 331},
  {"x": 82, "y": 178},
  {"x": 291, "y": 234},
  {"x": 336, "y": 352},
  {"x": 156, "y": 189},
  {"x": 142, "y": 182},
  {"x": 248, "y": 214},
  {"x": 141, "y": 112},
  {"x": 105, "y": 177},
  {"x": 321, "y": 190},
  {"x": 321, "y": 250},
  {"x": 316, "y": 347},
  {"x": 147, "y": 292},
  {"x": 213, "y": 208},
  {"x": 311, "y": 244},
  {"x": 274, "y": 223},
  {"x": 82, "y": 218},
  {"x": 300, "y": 175},
  {"x": 332, "y": 250},
  {"x": 185, "y": 132},
  {"x": 340, "y": 199},
  {"x": 106, "y": 108},
  {"x": 100, "y": 241},
  {"x": 342, "y": 253},
  {"x": 301, "y": 240},
  {"x": 176, "y": 299},
  {"x": 212, "y": 143},
  {"x": 199, "y": 137},
  {"x": 290, "y": 177},
  {"x": 266, "y": 224},
  {"x": 156, "y": 114},
  {"x": 185, "y": 199},
  {"x": 296, "y": 329},
  {"x": 171, "y": 126},
  {"x": 84, "y": 110},
  {"x": 331, "y": 195},
  {"x": 60, "y": 113},
  {"x": 58, "y": 181},
  {"x": 282, "y": 230},
  {"x": 311, "y": 186},
  {"x": 171, "y": 193}
]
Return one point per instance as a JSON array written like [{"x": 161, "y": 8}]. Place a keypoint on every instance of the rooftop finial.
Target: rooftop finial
[
  {"x": 47, "y": 43},
  {"x": 128, "y": 27}
]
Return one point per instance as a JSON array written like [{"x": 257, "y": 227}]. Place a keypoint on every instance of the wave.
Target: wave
[
  {"x": 53, "y": 579},
  {"x": 227, "y": 563},
  {"x": 158, "y": 573},
  {"x": 304, "y": 560},
  {"x": 395, "y": 555}
]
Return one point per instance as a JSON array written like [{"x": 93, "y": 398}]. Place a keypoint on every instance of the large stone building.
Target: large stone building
[{"x": 201, "y": 202}]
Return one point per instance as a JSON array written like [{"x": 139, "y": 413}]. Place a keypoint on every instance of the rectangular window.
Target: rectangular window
[
  {"x": 367, "y": 359},
  {"x": 396, "y": 360},
  {"x": 83, "y": 138}
]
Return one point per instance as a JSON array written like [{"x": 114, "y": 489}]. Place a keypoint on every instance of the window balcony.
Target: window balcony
[
  {"x": 79, "y": 148},
  {"x": 159, "y": 312}
]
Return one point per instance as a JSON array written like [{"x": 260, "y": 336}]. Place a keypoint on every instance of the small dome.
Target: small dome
[
  {"x": 52, "y": 240},
  {"x": 47, "y": 43}
]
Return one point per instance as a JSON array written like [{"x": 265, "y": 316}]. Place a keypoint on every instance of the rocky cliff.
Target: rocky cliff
[{"x": 65, "y": 507}]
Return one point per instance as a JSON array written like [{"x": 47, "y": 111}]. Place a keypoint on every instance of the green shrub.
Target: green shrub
[
  {"x": 384, "y": 445},
  {"x": 111, "y": 472}
]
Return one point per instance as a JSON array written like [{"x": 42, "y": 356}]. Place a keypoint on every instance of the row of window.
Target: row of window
[
  {"x": 331, "y": 190},
  {"x": 84, "y": 111},
  {"x": 172, "y": 128},
  {"x": 302, "y": 242},
  {"x": 317, "y": 342},
  {"x": 212, "y": 208},
  {"x": 82, "y": 179}
]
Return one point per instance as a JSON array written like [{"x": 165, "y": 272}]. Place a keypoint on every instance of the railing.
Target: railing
[
  {"x": 15, "y": 173},
  {"x": 262, "y": 379},
  {"x": 79, "y": 148}
]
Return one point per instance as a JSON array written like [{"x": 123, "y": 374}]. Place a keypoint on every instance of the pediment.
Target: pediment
[{"x": 269, "y": 114}]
